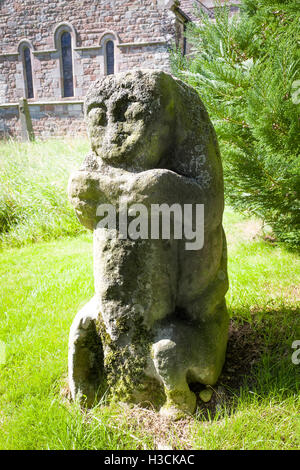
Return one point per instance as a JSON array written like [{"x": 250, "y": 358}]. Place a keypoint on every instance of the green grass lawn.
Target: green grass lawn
[{"x": 255, "y": 404}]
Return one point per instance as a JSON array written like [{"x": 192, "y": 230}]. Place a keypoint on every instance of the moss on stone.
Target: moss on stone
[
  {"x": 124, "y": 366},
  {"x": 182, "y": 400}
]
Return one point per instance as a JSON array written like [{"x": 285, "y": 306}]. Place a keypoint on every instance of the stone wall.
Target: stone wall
[
  {"x": 39, "y": 25},
  {"x": 49, "y": 119},
  {"x": 57, "y": 120},
  {"x": 9, "y": 121},
  {"x": 133, "y": 20},
  {"x": 140, "y": 29},
  {"x": 144, "y": 57},
  {"x": 8, "y": 75}
]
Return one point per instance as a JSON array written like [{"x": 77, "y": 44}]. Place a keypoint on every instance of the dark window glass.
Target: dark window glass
[
  {"x": 110, "y": 58},
  {"x": 184, "y": 39},
  {"x": 28, "y": 73},
  {"x": 67, "y": 66}
]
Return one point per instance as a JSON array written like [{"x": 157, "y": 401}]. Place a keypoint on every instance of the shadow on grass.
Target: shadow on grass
[{"x": 258, "y": 362}]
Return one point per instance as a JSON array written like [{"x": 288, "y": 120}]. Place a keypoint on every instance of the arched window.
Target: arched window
[
  {"x": 28, "y": 72},
  {"x": 67, "y": 66},
  {"x": 184, "y": 40},
  {"x": 110, "y": 57}
]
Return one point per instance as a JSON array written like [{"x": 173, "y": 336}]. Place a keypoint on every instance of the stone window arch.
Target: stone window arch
[
  {"x": 25, "y": 54},
  {"x": 109, "y": 54},
  {"x": 64, "y": 41}
]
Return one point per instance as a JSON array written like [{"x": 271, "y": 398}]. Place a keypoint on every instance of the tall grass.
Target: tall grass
[{"x": 33, "y": 185}]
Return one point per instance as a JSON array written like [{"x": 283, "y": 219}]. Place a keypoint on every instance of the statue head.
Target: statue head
[
  {"x": 129, "y": 118},
  {"x": 148, "y": 119}
]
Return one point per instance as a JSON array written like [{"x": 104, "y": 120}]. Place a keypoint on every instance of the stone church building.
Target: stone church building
[{"x": 52, "y": 50}]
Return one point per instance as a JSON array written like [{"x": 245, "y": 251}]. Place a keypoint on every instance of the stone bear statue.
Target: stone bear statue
[{"x": 158, "y": 321}]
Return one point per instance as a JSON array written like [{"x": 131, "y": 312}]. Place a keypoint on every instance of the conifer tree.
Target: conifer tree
[{"x": 246, "y": 69}]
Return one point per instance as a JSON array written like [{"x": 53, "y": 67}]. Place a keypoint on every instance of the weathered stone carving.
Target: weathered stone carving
[{"x": 158, "y": 321}]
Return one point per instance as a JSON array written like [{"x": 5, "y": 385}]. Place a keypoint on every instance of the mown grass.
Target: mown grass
[
  {"x": 33, "y": 182},
  {"x": 42, "y": 287},
  {"x": 44, "y": 284}
]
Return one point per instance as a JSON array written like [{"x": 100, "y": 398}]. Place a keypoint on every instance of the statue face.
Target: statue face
[{"x": 126, "y": 130}]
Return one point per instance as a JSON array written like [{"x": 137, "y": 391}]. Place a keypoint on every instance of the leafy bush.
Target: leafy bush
[
  {"x": 245, "y": 68},
  {"x": 33, "y": 190}
]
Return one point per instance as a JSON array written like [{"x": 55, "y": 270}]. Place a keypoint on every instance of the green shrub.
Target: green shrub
[
  {"x": 33, "y": 190},
  {"x": 244, "y": 69}
]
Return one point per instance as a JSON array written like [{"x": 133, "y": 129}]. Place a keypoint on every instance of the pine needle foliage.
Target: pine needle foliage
[{"x": 246, "y": 69}]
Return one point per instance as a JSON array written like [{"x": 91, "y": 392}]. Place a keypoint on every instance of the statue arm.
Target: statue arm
[
  {"x": 160, "y": 186},
  {"x": 88, "y": 188}
]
